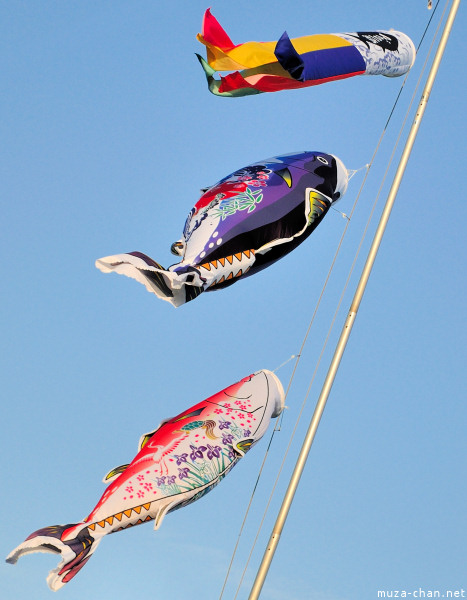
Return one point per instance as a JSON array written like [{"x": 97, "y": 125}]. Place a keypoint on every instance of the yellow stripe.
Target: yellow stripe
[
  {"x": 324, "y": 41},
  {"x": 255, "y": 54}
]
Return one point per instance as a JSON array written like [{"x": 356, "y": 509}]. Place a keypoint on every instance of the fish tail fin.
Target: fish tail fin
[
  {"x": 231, "y": 85},
  {"x": 174, "y": 287},
  {"x": 208, "y": 70},
  {"x": 213, "y": 84},
  {"x": 214, "y": 33},
  {"x": 75, "y": 552},
  {"x": 218, "y": 44}
]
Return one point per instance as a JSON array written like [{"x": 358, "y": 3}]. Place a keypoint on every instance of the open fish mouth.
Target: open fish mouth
[
  {"x": 279, "y": 397},
  {"x": 342, "y": 177}
]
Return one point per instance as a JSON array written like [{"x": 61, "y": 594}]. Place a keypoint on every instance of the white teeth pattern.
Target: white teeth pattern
[{"x": 223, "y": 269}]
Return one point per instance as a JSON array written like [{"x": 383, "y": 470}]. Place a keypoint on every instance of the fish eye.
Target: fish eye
[{"x": 323, "y": 160}]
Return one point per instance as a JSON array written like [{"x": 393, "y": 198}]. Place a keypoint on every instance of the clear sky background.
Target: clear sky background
[{"x": 108, "y": 133}]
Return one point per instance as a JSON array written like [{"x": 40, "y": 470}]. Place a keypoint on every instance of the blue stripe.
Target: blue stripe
[{"x": 332, "y": 62}]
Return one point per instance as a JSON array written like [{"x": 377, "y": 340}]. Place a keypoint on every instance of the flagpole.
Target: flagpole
[{"x": 347, "y": 328}]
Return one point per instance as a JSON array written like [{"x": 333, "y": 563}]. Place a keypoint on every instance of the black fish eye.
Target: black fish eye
[{"x": 323, "y": 160}]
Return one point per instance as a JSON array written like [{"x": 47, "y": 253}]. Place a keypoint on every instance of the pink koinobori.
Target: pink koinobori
[{"x": 177, "y": 463}]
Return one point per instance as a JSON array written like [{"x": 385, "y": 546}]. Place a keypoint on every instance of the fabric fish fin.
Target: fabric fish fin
[
  {"x": 244, "y": 445},
  {"x": 286, "y": 176},
  {"x": 147, "y": 271},
  {"x": 75, "y": 552},
  {"x": 318, "y": 205},
  {"x": 158, "y": 280},
  {"x": 193, "y": 413},
  {"x": 214, "y": 33},
  {"x": 289, "y": 58},
  {"x": 226, "y": 86},
  {"x": 177, "y": 248},
  {"x": 179, "y": 501},
  {"x": 144, "y": 439},
  {"x": 192, "y": 292},
  {"x": 114, "y": 473},
  {"x": 162, "y": 512}
]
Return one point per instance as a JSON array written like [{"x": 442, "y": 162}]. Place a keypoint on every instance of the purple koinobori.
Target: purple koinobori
[{"x": 242, "y": 224}]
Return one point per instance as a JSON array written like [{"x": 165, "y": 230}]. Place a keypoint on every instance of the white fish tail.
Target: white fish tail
[{"x": 75, "y": 552}]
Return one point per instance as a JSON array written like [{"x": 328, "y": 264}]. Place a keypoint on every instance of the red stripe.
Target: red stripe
[
  {"x": 271, "y": 83},
  {"x": 214, "y": 34},
  {"x": 234, "y": 81}
]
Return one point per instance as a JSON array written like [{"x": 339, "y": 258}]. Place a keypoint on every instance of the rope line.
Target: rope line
[
  {"x": 298, "y": 356},
  {"x": 429, "y": 22}
]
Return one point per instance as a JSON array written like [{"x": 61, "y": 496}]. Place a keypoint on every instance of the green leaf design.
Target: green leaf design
[{"x": 246, "y": 200}]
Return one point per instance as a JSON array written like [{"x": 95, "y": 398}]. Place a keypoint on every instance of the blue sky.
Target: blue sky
[{"x": 108, "y": 134}]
